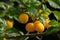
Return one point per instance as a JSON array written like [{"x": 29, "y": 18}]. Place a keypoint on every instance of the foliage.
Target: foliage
[{"x": 12, "y": 11}]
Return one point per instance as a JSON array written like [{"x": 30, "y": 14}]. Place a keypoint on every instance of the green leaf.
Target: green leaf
[
  {"x": 54, "y": 3},
  {"x": 14, "y": 0},
  {"x": 2, "y": 22},
  {"x": 26, "y": 1},
  {"x": 2, "y": 13},
  {"x": 2, "y": 27},
  {"x": 53, "y": 23},
  {"x": 2, "y": 9},
  {"x": 1, "y": 38},
  {"x": 32, "y": 3},
  {"x": 13, "y": 13},
  {"x": 57, "y": 15},
  {"x": 32, "y": 11},
  {"x": 48, "y": 11},
  {"x": 22, "y": 38},
  {"x": 2, "y": 5},
  {"x": 51, "y": 30},
  {"x": 13, "y": 30}
]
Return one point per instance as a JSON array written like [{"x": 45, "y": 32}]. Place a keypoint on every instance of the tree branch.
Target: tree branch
[{"x": 26, "y": 35}]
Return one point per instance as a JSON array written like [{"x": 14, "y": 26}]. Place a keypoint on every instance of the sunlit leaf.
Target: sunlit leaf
[
  {"x": 14, "y": 0},
  {"x": 54, "y": 3},
  {"x": 2, "y": 5},
  {"x": 57, "y": 14},
  {"x": 53, "y": 23}
]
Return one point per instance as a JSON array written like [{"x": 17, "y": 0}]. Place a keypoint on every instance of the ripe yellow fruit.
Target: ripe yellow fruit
[
  {"x": 4, "y": 39},
  {"x": 9, "y": 24},
  {"x": 44, "y": 15},
  {"x": 39, "y": 27},
  {"x": 40, "y": 11},
  {"x": 47, "y": 23},
  {"x": 23, "y": 18},
  {"x": 48, "y": 26},
  {"x": 30, "y": 27},
  {"x": 47, "y": 20},
  {"x": 36, "y": 22}
]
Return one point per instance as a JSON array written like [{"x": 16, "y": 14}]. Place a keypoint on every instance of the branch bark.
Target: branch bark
[{"x": 26, "y": 35}]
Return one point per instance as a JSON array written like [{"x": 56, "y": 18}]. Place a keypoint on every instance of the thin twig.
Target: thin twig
[{"x": 26, "y": 35}]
